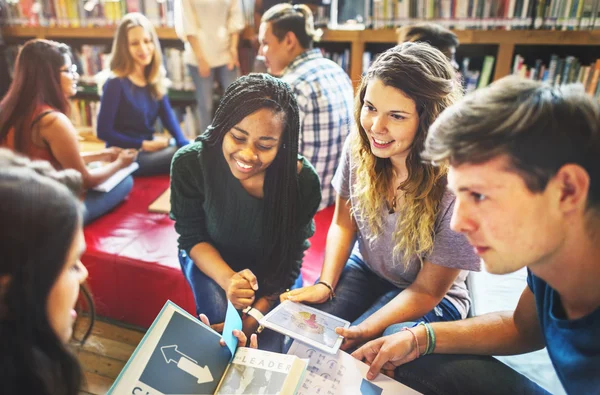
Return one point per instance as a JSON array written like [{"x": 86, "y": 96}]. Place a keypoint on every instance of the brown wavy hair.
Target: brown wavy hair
[
  {"x": 121, "y": 62},
  {"x": 423, "y": 74}
]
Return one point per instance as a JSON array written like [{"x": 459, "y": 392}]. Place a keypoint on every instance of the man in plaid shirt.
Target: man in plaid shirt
[{"x": 323, "y": 90}]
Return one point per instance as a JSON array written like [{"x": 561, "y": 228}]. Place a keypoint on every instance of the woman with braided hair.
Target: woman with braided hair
[{"x": 243, "y": 201}]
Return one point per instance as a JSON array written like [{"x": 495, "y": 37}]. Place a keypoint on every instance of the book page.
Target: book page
[
  {"x": 178, "y": 355},
  {"x": 256, "y": 372},
  {"x": 341, "y": 374},
  {"x": 116, "y": 178}
]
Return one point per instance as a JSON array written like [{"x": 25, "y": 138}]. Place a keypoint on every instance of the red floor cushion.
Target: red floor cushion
[{"x": 132, "y": 257}]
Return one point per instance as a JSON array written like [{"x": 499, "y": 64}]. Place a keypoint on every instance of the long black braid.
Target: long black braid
[{"x": 242, "y": 98}]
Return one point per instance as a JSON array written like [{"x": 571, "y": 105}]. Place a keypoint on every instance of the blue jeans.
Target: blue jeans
[
  {"x": 204, "y": 91},
  {"x": 211, "y": 301},
  {"x": 438, "y": 374},
  {"x": 154, "y": 163},
  {"x": 96, "y": 204},
  {"x": 360, "y": 293}
]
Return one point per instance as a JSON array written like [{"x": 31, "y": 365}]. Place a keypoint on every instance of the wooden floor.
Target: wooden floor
[{"x": 105, "y": 353}]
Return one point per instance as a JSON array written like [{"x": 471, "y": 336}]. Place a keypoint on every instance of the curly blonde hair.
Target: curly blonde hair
[
  {"x": 423, "y": 74},
  {"x": 121, "y": 62}
]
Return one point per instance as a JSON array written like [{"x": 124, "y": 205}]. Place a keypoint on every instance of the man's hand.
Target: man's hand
[
  {"x": 241, "y": 336},
  {"x": 241, "y": 289},
  {"x": 386, "y": 353}
]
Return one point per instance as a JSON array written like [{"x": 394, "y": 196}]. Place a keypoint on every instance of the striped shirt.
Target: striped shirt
[{"x": 325, "y": 96}]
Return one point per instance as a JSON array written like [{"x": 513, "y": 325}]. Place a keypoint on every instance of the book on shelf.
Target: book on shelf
[
  {"x": 560, "y": 71},
  {"x": 486, "y": 14},
  {"x": 181, "y": 355}
]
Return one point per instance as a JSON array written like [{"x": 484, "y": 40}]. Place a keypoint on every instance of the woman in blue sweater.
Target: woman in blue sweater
[{"x": 135, "y": 96}]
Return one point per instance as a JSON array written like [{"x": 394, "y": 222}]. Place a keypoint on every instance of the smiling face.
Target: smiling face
[
  {"x": 508, "y": 225},
  {"x": 69, "y": 78},
  {"x": 251, "y": 146},
  {"x": 389, "y": 119},
  {"x": 65, "y": 291},
  {"x": 141, "y": 46}
]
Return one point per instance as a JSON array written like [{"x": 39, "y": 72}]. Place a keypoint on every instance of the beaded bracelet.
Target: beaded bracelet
[
  {"x": 331, "y": 293},
  {"x": 417, "y": 352}
]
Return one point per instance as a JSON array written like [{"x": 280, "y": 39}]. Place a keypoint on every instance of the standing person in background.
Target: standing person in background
[
  {"x": 136, "y": 96},
  {"x": 210, "y": 30},
  {"x": 36, "y": 124},
  {"x": 435, "y": 35},
  {"x": 322, "y": 88}
]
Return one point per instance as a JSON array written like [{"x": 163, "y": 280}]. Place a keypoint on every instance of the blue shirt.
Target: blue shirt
[
  {"x": 128, "y": 113},
  {"x": 573, "y": 345}
]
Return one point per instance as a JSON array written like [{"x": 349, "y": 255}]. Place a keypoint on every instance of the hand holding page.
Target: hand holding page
[{"x": 116, "y": 178}]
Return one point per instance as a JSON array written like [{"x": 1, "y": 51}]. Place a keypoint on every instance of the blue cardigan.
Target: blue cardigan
[{"x": 128, "y": 113}]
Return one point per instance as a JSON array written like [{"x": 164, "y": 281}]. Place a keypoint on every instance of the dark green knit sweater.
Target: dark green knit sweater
[{"x": 210, "y": 205}]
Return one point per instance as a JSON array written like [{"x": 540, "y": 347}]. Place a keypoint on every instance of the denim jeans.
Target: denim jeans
[
  {"x": 438, "y": 374},
  {"x": 204, "y": 91},
  {"x": 211, "y": 301},
  {"x": 96, "y": 204},
  {"x": 154, "y": 163},
  {"x": 360, "y": 293}
]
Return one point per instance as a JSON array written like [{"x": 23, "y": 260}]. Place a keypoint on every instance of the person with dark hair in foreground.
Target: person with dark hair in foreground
[
  {"x": 524, "y": 164},
  {"x": 243, "y": 201},
  {"x": 41, "y": 240}
]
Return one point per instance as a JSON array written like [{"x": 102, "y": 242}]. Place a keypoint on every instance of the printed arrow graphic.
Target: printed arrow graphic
[{"x": 187, "y": 364}]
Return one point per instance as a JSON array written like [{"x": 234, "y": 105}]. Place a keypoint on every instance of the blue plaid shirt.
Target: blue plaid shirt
[{"x": 325, "y": 98}]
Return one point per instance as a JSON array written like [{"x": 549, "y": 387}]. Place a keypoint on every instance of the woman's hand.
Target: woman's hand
[
  {"x": 203, "y": 68},
  {"x": 156, "y": 144},
  {"x": 235, "y": 59},
  {"x": 317, "y": 293},
  {"x": 112, "y": 153},
  {"x": 241, "y": 289},
  {"x": 240, "y": 335},
  {"x": 387, "y": 353},
  {"x": 126, "y": 157}
]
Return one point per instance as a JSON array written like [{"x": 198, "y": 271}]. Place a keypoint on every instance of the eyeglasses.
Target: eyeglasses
[{"x": 72, "y": 70}]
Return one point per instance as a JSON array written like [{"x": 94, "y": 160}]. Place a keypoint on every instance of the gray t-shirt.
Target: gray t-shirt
[{"x": 450, "y": 249}]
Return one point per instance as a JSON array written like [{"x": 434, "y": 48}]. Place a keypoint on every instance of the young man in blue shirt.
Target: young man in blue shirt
[{"x": 525, "y": 166}]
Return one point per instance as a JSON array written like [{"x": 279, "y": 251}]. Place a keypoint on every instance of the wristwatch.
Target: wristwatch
[{"x": 256, "y": 314}]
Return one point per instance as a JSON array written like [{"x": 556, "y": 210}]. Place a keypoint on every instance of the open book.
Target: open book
[
  {"x": 181, "y": 355},
  {"x": 116, "y": 178},
  {"x": 341, "y": 374}
]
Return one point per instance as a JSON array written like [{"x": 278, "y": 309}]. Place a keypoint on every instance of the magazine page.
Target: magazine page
[
  {"x": 341, "y": 374},
  {"x": 178, "y": 355},
  {"x": 262, "y": 372}
]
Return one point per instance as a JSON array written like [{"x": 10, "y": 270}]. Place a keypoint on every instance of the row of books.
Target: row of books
[
  {"x": 84, "y": 13},
  {"x": 486, "y": 14},
  {"x": 560, "y": 71}
]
